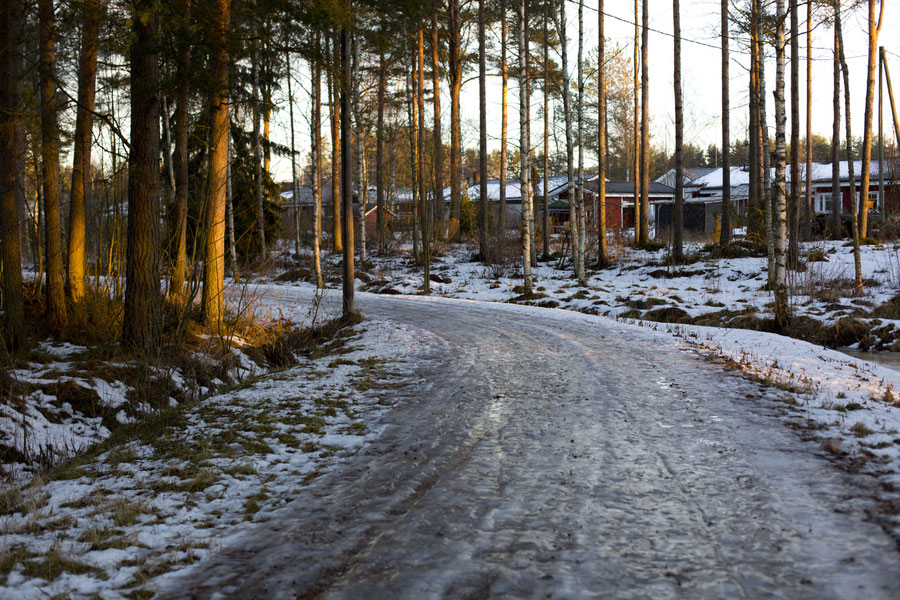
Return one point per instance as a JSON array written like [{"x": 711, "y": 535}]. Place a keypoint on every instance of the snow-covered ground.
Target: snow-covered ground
[{"x": 113, "y": 523}]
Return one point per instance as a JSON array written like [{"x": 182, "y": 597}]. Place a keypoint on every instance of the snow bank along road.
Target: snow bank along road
[{"x": 560, "y": 455}]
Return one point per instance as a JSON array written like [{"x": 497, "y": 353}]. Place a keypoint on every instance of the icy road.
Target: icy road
[{"x": 556, "y": 455}]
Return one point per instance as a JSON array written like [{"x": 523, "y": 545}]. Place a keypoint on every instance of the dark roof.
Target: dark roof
[{"x": 614, "y": 188}]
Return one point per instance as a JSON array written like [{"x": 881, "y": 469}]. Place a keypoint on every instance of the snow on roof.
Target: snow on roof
[{"x": 821, "y": 171}]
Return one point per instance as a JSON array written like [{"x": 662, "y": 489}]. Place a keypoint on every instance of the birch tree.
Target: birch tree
[
  {"x": 678, "y": 215},
  {"x": 524, "y": 148},
  {"x": 570, "y": 158},
  {"x": 316, "y": 166},
  {"x": 836, "y": 199},
  {"x": 579, "y": 190},
  {"x": 782, "y": 315},
  {"x": 504, "y": 127},
  {"x": 482, "y": 132},
  {"x": 725, "y": 234}
]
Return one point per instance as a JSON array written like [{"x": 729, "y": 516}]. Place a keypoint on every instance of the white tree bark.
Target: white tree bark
[
  {"x": 779, "y": 213},
  {"x": 567, "y": 111},
  {"x": 524, "y": 148},
  {"x": 579, "y": 193}
]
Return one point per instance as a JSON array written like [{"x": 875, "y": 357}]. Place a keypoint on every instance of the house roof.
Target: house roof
[
  {"x": 626, "y": 188},
  {"x": 821, "y": 171}
]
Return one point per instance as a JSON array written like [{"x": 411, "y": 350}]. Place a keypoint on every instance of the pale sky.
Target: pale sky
[{"x": 701, "y": 73}]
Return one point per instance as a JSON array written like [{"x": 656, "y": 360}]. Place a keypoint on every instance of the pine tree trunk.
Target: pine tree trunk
[
  {"x": 836, "y": 196},
  {"x": 794, "y": 198},
  {"x": 456, "y": 72},
  {"x": 725, "y": 234},
  {"x": 179, "y": 271},
  {"x": 214, "y": 249},
  {"x": 229, "y": 197},
  {"x": 782, "y": 311},
  {"x": 645, "y": 124},
  {"x": 361, "y": 183},
  {"x": 346, "y": 80},
  {"x": 504, "y": 130},
  {"x": 12, "y": 20},
  {"x": 437, "y": 207},
  {"x": 874, "y": 30},
  {"x": 524, "y": 148},
  {"x": 380, "y": 216},
  {"x": 854, "y": 199},
  {"x": 756, "y": 209},
  {"x": 414, "y": 158},
  {"x": 316, "y": 166},
  {"x": 142, "y": 323},
  {"x": 81, "y": 162},
  {"x": 482, "y": 133},
  {"x": 602, "y": 249},
  {"x": 56, "y": 301},
  {"x": 678, "y": 215},
  {"x": 423, "y": 195},
  {"x": 546, "y": 89}
]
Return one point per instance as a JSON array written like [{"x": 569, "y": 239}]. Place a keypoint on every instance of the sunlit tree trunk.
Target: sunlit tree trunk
[
  {"x": 214, "y": 248},
  {"x": 874, "y": 30},
  {"x": 756, "y": 207},
  {"x": 362, "y": 178},
  {"x": 414, "y": 158},
  {"x": 645, "y": 124},
  {"x": 678, "y": 215},
  {"x": 295, "y": 196},
  {"x": 602, "y": 250},
  {"x": 725, "y": 234},
  {"x": 806, "y": 221},
  {"x": 782, "y": 314},
  {"x": 854, "y": 199},
  {"x": 81, "y": 162},
  {"x": 12, "y": 20}
]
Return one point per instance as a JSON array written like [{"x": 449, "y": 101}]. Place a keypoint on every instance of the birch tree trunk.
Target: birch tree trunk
[
  {"x": 808, "y": 213},
  {"x": 756, "y": 209},
  {"x": 645, "y": 124},
  {"x": 12, "y": 19},
  {"x": 316, "y": 138},
  {"x": 782, "y": 311},
  {"x": 874, "y": 30},
  {"x": 836, "y": 196},
  {"x": 295, "y": 196},
  {"x": 579, "y": 190},
  {"x": 229, "y": 196},
  {"x": 854, "y": 199},
  {"x": 81, "y": 162},
  {"x": 678, "y": 215},
  {"x": 257, "y": 158},
  {"x": 142, "y": 322},
  {"x": 214, "y": 250},
  {"x": 55, "y": 294},
  {"x": 725, "y": 234},
  {"x": 525, "y": 148},
  {"x": 362, "y": 179},
  {"x": 504, "y": 130},
  {"x": 764, "y": 160},
  {"x": 570, "y": 158}
]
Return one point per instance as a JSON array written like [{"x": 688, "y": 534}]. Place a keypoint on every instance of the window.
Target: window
[{"x": 823, "y": 202}]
